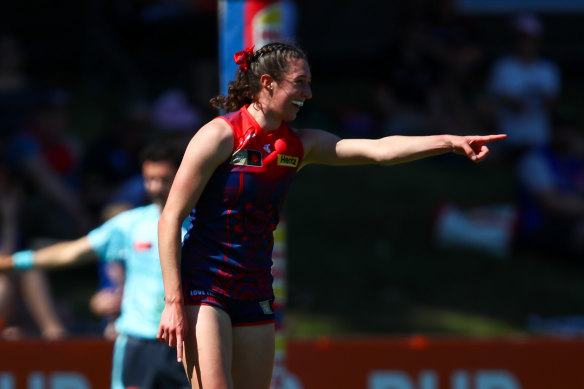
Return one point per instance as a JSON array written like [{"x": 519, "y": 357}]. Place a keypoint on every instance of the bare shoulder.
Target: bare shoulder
[
  {"x": 217, "y": 129},
  {"x": 215, "y": 137}
]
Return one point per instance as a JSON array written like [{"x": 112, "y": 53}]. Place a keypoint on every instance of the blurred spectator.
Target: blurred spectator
[
  {"x": 453, "y": 44},
  {"x": 47, "y": 133},
  {"x": 30, "y": 165},
  {"x": 111, "y": 167},
  {"x": 17, "y": 93},
  {"x": 36, "y": 294},
  {"x": 107, "y": 301},
  {"x": 46, "y": 156},
  {"x": 551, "y": 180},
  {"x": 34, "y": 286},
  {"x": 432, "y": 70},
  {"x": 525, "y": 87},
  {"x": 455, "y": 53},
  {"x": 408, "y": 74},
  {"x": 173, "y": 111}
]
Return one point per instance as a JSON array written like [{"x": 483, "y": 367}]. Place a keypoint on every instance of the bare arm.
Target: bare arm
[
  {"x": 210, "y": 146},
  {"x": 326, "y": 148},
  {"x": 59, "y": 254}
]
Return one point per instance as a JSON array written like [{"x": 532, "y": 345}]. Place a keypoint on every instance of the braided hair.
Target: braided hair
[{"x": 271, "y": 59}]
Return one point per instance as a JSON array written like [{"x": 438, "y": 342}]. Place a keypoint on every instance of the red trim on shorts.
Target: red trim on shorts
[{"x": 211, "y": 300}]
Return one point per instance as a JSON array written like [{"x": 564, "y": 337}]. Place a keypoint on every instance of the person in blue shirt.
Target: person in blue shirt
[{"x": 130, "y": 237}]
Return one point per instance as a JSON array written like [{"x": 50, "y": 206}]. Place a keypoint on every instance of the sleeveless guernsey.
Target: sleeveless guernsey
[{"x": 228, "y": 247}]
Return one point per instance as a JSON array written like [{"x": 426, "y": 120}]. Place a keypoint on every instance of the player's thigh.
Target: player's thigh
[
  {"x": 207, "y": 347},
  {"x": 253, "y": 356}
]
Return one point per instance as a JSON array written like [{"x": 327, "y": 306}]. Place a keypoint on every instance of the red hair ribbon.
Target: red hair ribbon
[{"x": 241, "y": 57}]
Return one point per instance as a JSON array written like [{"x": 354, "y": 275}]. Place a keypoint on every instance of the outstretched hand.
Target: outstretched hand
[{"x": 474, "y": 146}]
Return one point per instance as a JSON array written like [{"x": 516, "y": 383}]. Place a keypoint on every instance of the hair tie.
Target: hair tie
[{"x": 241, "y": 57}]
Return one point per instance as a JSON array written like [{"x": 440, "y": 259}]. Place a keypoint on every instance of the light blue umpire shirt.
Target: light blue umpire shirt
[{"x": 132, "y": 237}]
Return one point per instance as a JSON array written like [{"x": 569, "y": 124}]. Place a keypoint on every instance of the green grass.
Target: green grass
[{"x": 362, "y": 259}]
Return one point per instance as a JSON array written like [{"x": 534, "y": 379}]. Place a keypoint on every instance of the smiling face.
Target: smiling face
[{"x": 288, "y": 95}]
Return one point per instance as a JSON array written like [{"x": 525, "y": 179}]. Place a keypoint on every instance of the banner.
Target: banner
[
  {"x": 335, "y": 363},
  {"x": 252, "y": 22},
  {"x": 65, "y": 364},
  {"x": 435, "y": 363}
]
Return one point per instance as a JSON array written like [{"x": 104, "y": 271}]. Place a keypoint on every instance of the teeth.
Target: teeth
[{"x": 298, "y": 103}]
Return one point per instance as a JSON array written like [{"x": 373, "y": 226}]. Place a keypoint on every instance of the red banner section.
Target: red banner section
[
  {"x": 429, "y": 363},
  {"x": 69, "y": 364},
  {"x": 367, "y": 363},
  {"x": 254, "y": 14}
]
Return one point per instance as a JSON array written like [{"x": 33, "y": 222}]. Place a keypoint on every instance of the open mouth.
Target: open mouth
[{"x": 298, "y": 103}]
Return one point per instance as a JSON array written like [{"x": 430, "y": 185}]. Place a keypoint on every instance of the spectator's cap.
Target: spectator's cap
[{"x": 527, "y": 24}]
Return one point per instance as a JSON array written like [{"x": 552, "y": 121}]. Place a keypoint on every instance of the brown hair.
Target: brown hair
[
  {"x": 271, "y": 59},
  {"x": 166, "y": 149}
]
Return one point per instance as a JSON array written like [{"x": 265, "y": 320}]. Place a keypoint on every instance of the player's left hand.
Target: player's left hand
[{"x": 473, "y": 146}]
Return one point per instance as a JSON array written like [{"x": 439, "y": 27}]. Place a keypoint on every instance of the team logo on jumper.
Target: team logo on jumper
[
  {"x": 266, "y": 307},
  {"x": 142, "y": 245},
  {"x": 286, "y": 160},
  {"x": 245, "y": 157}
]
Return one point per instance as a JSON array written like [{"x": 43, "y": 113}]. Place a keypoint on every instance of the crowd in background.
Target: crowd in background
[{"x": 56, "y": 184}]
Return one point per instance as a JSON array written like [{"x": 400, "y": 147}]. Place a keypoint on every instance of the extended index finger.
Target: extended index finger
[
  {"x": 491, "y": 138},
  {"x": 179, "y": 346}
]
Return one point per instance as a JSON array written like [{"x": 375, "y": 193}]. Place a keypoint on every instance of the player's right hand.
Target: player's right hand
[{"x": 173, "y": 327}]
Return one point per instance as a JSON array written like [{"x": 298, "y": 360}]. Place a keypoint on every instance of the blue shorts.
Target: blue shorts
[
  {"x": 241, "y": 312},
  {"x": 139, "y": 362}
]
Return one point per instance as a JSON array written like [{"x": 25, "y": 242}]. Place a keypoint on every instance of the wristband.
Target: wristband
[{"x": 23, "y": 259}]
